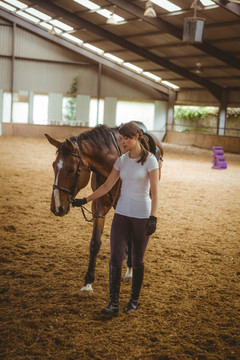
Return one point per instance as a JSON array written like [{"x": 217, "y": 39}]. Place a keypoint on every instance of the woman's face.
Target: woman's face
[{"x": 126, "y": 143}]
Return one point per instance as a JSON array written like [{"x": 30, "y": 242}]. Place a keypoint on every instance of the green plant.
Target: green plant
[
  {"x": 72, "y": 102},
  {"x": 194, "y": 113}
]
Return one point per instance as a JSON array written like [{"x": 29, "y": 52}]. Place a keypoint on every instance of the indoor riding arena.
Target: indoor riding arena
[{"x": 61, "y": 75}]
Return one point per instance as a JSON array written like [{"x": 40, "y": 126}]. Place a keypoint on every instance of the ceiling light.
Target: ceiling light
[
  {"x": 133, "y": 67},
  {"x": 114, "y": 58},
  {"x": 167, "y": 5},
  {"x": 39, "y": 14},
  {"x": 6, "y": 6},
  {"x": 88, "y": 4},
  {"x": 72, "y": 38},
  {"x": 207, "y": 2},
  {"x": 112, "y": 20},
  {"x": 17, "y": 3},
  {"x": 149, "y": 12},
  {"x": 46, "y": 25},
  {"x": 171, "y": 85},
  {"x": 199, "y": 69},
  {"x": 93, "y": 48},
  {"x": 152, "y": 76},
  {"x": 61, "y": 25},
  {"x": 27, "y": 16}
]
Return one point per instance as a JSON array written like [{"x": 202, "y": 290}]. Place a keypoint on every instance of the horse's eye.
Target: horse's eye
[{"x": 71, "y": 171}]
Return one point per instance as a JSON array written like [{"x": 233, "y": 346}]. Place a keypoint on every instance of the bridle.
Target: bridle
[{"x": 72, "y": 191}]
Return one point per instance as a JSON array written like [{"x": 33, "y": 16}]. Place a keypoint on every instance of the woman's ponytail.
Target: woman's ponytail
[{"x": 145, "y": 149}]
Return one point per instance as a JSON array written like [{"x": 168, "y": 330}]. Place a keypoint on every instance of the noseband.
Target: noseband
[{"x": 68, "y": 191}]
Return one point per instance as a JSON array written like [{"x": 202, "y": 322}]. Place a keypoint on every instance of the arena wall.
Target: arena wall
[
  {"x": 229, "y": 143},
  {"x": 38, "y": 131}
]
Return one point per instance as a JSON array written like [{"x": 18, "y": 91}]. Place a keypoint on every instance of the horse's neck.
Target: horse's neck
[{"x": 101, "y": 161}]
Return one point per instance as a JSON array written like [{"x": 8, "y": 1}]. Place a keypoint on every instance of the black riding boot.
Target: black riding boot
[
  {"x": 114, "y": 288},
  {"x": 136, "y": 287}
]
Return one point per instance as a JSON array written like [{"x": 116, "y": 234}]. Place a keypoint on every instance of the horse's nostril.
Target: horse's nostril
[{"x": 60, "y": 210}]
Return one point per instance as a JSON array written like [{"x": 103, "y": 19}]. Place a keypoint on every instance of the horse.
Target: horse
[{"x": 92, "y": 152}]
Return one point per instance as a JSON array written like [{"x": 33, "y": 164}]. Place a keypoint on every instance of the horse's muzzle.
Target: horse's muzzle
[{"x": 60, "y": 211}]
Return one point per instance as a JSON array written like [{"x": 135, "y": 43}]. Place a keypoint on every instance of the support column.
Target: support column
[
  {"x": 1, "y": 110},
  {"x": 170, "y": 116},
  {"x": 110, "y": 108},
  {"x": 55, "y": 109},
  {"x": 13, "y": 68},
  {"x": 82, "y": 110},
  {"x": 30, "y": 107},
  {"x": 160, "y": 115},
  {"x": 99, "y": 90},
  {"x": 222, "y": 114}
]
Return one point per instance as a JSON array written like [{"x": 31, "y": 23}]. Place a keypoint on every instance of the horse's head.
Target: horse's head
[{"x": 71, "y": 175}]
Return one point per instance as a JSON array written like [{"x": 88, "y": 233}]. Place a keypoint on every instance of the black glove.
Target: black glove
[
  {"x": 151, "y": 225},
  {"x": 79, "y": 202}
]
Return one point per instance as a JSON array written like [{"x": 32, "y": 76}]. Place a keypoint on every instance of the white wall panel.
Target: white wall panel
[
  {"x": 160, "y": 115},
  {"x": 54, "y": 108},
  {"x": 82, "y": 109},
  {"x": 1, "y": 106},
  {"x": 110, "y": 107}
]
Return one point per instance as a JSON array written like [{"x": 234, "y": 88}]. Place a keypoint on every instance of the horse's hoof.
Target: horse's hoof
[
  {"x": 127, "y": 280},
  {"x": 87, "y": 289}
]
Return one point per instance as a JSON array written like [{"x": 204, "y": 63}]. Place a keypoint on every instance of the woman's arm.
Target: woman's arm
[
  {"x": 154, "y": 183},
  {"x": 106, "y": 187}
]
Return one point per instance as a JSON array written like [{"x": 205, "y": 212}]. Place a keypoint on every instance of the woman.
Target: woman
[{"x": 135, "y": 211}]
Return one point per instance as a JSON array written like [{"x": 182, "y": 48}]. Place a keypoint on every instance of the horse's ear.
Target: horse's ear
[
  {"x": 69, "y": 145},
  {"x": 53, "y": 141}
]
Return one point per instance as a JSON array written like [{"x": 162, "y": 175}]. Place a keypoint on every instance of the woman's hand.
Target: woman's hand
[
  {"x": 79, "y": 202},
  {"x": 151, "y": 225}
]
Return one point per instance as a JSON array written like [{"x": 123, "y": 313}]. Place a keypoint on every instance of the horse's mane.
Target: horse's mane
[{"x": 98, "y": 137}]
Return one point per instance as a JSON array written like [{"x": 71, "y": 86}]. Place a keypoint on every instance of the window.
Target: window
[
  {"x": 40, "y": 109},
  {"x": 93, "y": 112},
  {"x": 7, "y": 98},
  {"x": 20, "y": 107},
  {"x": 140, "y": 111}
]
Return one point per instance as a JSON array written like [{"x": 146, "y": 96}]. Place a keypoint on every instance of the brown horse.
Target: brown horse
[{"x": 93, "y": 151}]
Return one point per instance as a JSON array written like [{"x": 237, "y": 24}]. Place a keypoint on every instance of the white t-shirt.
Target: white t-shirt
[{"x": 134, "y": 200}]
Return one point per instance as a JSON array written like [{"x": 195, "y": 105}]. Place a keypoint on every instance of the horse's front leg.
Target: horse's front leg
[
  {"x": 127, "y": 279},
  {"x": 95, "y": 245}
]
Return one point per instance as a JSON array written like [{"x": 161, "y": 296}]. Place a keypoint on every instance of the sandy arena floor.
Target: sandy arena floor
[{"x": 190, "y": 301}]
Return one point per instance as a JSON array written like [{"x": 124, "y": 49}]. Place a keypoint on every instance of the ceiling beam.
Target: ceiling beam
[
  {"x": 66, "y": 15},
  {"x": 176, "y": 32},
  {"x": 82, "y": 51},
  {"x": 230, "y": 6}
]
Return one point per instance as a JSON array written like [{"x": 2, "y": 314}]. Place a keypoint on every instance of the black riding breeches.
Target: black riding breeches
[{"x": 122, "y": 226}]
